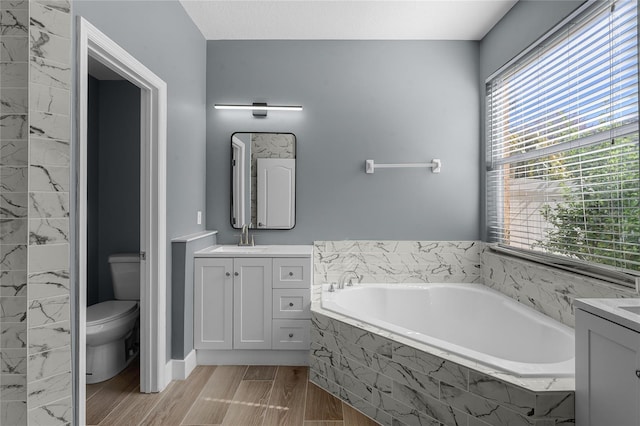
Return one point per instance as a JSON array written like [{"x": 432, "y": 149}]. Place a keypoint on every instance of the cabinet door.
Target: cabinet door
[
  {"x": 252, "y": 303},
  {"x": 607, "y": 361},
  {"x": 213, "y": 304}
]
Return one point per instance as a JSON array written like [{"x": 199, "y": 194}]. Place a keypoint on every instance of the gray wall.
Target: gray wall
[
  {"x": 390, "y": 101},
  {"x": 113, "y": 200},
  {"x": 161, "y": 36},
  {"x": 522, "y": 26}
]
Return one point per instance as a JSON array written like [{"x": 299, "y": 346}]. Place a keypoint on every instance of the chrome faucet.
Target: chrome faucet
[
  {"x": 345, "y": 276},
  {"x": 244, "y": 237}
]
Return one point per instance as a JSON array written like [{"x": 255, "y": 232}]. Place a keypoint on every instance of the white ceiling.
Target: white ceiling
[{"x": 346, "y": 20}]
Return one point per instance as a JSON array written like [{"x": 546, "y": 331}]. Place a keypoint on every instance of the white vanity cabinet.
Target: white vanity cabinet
[
  {"x": 252, "y": 302},
  {"x": 607, "y": 364}
]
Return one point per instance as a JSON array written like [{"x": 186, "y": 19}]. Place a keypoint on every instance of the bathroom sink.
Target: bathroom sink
[
  {"x": 239, "y": 249},
  {"x": 632, "y": 309}
]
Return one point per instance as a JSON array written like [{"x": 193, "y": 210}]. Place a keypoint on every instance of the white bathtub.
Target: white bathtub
[{"x": 469, "y": 320}]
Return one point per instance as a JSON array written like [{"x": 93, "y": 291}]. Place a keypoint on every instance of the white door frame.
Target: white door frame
[{"x": 153, "y": 135}]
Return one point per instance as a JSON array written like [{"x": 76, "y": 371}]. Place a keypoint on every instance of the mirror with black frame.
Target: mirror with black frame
[{"x": 263, "y": 180}]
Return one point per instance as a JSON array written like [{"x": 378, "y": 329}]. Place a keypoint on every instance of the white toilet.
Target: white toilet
[{"x": 113, "y": 326}]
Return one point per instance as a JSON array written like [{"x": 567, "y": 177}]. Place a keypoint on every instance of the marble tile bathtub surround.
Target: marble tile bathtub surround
[
  {"x": 396, "y": 384},
  {"x": 398, "y": 261},
  {"x": 545, "y": 289}
]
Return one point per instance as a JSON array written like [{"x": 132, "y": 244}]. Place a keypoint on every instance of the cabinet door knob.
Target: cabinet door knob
[
  {"x": 236, "y": 274},
  {"x": 290, "y": 335},
  {"x": 290, "y": 274},
  {"x": 638, "y": 373},
  {"x": 291, "y": 304},
  {"x": 228, "y": 274}
]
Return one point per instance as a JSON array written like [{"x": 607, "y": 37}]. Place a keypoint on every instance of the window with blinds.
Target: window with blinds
[{"x": 562, "y": 142}]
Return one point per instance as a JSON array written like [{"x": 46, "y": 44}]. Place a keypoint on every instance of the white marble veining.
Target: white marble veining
[
  {"x": 13, "y": 361},
  {"x": 49, "y": 283},
  {"x": 49, "y": 19},
  {"x": 50, "y": 336},
  {"x": 48, "y": 46},
  {"x": 13, "y": 283},
  {"x": 49, "y": 310},
  {"x": 49, "y": 99},
  {"x": 14, "y": 22},
  {"x": 548, "y": 290},
  {"x": 48, "y": 204},
  {"x": 13, "y": 231},
  {"x": 13, "y": 335},
  {"x": 13, "y": 179},
  {"x": 49, "y": 152},
  {"x": 48, "y": 231},
  {"x": 49, "y": 363},
  {"x": 13, "y": 257},
  {"x": 48, "y": 390},
  {"x": 50, "y": 73},
  {"x": 13, "y": 99},
  {"x": 49, "y": 178},
  {"x": 49, "y": 126},
  {"x": 13, "y": 413},
  {"x": 398, "y": 261},
  {"x": 13, "y": 126},
  {"x": 53, "y": 414},
  {"x": 13, "y": 152}
]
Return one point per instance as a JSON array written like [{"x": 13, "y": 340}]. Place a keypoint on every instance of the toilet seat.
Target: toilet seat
[{"x": 108, "y": 311}]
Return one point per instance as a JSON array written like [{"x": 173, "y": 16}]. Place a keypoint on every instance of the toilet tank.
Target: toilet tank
[{"x": 125, "y": 275}]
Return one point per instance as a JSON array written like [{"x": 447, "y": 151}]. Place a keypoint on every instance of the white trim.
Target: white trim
[
  {"x": 251, "y": 357},
  {"x": 182, "y": 368},
  {"x": 153, "y": 100}
]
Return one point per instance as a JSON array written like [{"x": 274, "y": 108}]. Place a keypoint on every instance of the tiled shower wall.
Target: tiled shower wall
[{"x": 35, "y": 85}]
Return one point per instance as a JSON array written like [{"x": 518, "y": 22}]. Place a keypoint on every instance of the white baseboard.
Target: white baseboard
[
  {"x": 180, "y": 369},
  {"x": 251, "y": 357}
]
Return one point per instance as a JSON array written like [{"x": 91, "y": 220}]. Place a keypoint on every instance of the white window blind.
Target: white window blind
[{"x": 562, "y": 142}]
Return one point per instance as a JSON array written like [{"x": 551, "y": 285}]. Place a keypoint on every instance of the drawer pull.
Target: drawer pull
[
  {"x": 290, "y": 274},
  {"x": 236, "y": 274},
  {"x": 291, "y": 304},
  {"x": 290, "y": 335},
  {"x": 638, "y": 373},
  {"x": 228, "y": 274}
]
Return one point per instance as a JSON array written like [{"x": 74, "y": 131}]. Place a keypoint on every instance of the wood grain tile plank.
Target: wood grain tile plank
[
  {"x": 321, "y": 405},
  {"x": 92, "y": 390},
  {"x": 112, "y": 393},
  {"x": 213, "y": 402},
  {"x": 353, "y": 417},
  {"x": 286, "y": 405},
  {"x": 176, "y": 401},
  {"x": 260, "y": 372},
  {"x": 249, "y": 403},
  {"x": 325, "y": 423},
  {"x": 134, "y": 408}
]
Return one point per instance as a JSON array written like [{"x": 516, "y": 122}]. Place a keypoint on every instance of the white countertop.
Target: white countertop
[
  {"x": 613, "y": 310},
  {"x": 256, "y": 251}
]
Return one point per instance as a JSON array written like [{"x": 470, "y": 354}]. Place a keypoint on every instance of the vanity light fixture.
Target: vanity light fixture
[{"x": 260, "y": 109}]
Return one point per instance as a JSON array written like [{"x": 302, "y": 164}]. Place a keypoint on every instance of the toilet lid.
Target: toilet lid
[{"x": 109, "y": 311}]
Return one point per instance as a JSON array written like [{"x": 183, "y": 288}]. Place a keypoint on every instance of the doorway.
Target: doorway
[{"x": 94, "y": 46}]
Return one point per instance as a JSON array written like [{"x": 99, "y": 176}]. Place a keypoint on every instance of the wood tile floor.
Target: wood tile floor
[{"x": 221, "y": 395}]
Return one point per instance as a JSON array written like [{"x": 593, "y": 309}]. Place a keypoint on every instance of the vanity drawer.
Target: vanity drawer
[
  {"x": 291, "y": 272},
  {"x": 291, "y": 334},
  {"x": 291, "y": 303}
]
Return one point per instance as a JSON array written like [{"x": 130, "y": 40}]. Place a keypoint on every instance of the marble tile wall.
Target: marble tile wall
[
  {"x": 14, "y": 104},
  {"x": 398, "y": 385},
  {"x": 548, "y": 290},
  {"x": 49, "y": 379},
  {"x": 35, "y": 94},
  {"x": 398, "y": 261}
]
